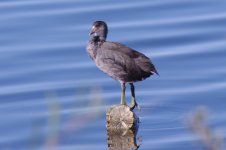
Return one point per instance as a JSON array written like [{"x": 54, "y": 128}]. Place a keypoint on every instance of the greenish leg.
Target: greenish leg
[
  {"x": 123, "y": 86},
  {"x": 134, "y": 103}
]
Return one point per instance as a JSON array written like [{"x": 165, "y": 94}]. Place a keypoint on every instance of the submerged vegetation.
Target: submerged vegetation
[{"x": 209, "y": 139}]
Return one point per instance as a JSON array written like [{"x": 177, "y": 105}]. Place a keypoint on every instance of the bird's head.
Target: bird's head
[{"x": 99, "y": 31}]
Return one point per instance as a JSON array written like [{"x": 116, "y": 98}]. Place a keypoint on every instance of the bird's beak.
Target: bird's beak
[{"x": 93, "y": 30}]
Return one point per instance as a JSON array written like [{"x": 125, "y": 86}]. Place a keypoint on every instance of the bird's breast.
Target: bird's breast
[{"x": 91, "y": 50}]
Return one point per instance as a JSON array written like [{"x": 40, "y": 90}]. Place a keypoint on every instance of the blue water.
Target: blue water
[{"x": 52, "y": 96}]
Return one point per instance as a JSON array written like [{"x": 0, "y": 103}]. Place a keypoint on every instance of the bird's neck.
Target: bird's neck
[
  {"x": 97, "y": 39},
  {"x": 94, "y": 45}
]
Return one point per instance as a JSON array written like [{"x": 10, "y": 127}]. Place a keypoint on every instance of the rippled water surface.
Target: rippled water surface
[{"x": 52, "y": 96}]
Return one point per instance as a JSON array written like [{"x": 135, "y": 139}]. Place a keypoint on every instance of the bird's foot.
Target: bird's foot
[
  {"x": 123, "y": 103},
  {"x": 134, "y": 104}
]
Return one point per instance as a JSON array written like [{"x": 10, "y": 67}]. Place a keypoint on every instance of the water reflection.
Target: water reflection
[
  {"x": 76, "y": 121},
  {"x": 123, "y": 140}
]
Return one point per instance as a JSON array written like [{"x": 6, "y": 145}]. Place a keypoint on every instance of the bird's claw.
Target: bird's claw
[{"x": 134, "y": 105}]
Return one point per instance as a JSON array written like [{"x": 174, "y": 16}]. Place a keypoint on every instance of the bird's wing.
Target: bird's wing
[
  {"x": 117, "y": 54},
  {"x": 140, "y": 59}
]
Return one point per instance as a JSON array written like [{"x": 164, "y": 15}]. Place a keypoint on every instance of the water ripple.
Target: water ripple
[{"x": 43, "y": 49}]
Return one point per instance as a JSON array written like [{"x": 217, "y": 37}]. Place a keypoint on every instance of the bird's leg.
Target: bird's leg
[
  {"x": 134, "y": 103},
  {"x": 123, "y": 86}
]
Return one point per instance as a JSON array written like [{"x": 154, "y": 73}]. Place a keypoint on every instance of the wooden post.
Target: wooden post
[{"x": 122, "y": 126}]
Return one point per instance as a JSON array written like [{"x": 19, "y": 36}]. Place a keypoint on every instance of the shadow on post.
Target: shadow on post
[{"x": 122, "y": 127}]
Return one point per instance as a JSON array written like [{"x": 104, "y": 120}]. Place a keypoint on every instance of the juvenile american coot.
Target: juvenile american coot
[{"x": 118, "y": 61}]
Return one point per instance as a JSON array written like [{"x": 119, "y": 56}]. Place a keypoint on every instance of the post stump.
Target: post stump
[{"x": 122, "y": 126}]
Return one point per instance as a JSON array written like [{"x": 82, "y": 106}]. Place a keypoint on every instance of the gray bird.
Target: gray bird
[{"x": 118, "y": 61}]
